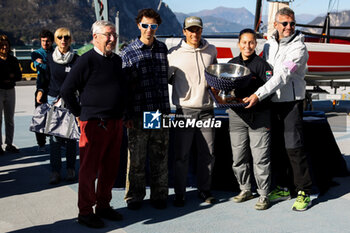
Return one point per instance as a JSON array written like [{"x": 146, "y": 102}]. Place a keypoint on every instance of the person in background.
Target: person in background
[
  {"x": 10, "y": 73},
  {"x": 100, "y": 80},
  {"x": 250, "y": 128},
  {"x": 59, "y": 64},
  {"x": 145, "y": 61},
  {"x": 39, "y": 58},
  {"x": 286, "y": 52},
  {"x": 187, "y": 63}
]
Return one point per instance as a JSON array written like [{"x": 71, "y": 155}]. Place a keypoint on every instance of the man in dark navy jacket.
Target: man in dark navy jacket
[
  {"x": 99, "y": 79},
  {"x": 39, "y": 58}
]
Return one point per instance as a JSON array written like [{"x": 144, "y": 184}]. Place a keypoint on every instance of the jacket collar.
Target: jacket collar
[
  {"x": 286, "y": 40},
  {"x": 249, "y": 59},
  {"x": 140, "y": 45}
]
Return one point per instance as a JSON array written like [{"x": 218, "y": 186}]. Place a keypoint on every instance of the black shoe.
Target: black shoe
[
  {"x": 70, "y": 174},
  {"x": 179, "y": 200},
  {"x": 159, "y": 204},
  {"x": 11, "y": 149},
  {"x": 206, "y": 197},
  {"x": 55, "y": 178},
  {"x": 1, "y": 151},
  {"x": 108, "y": 213},
  {"x": 91, "y": 220},
  {"x": 42, "y": 149},
  {"x": 134, "y": 205}
]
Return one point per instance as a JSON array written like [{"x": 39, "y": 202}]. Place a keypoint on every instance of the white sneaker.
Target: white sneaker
[
  {"x": 263, "y": 203},
  {"x": 244, "y": 195}
]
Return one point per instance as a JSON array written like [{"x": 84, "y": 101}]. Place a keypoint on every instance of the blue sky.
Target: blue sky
[{"x": 314, "y": 7}]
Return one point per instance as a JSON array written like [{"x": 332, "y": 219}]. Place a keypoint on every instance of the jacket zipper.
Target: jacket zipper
[{"x": 293, "y": 90}]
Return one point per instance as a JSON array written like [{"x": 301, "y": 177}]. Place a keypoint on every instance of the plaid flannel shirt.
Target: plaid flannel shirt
[{"x": 148, "y": 74}]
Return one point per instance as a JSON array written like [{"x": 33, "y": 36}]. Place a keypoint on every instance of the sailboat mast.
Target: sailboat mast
[{"x": 257, "y": 15}]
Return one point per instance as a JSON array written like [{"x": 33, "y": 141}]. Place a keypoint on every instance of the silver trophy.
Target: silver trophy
[{"x": 224, "y": 79}]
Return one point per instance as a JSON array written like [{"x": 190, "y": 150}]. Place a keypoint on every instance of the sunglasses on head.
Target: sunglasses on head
[
  {"x": 146, "y": 25},
  {"x": 65, "y": 37},
  {"x": 292, "y": 24}
]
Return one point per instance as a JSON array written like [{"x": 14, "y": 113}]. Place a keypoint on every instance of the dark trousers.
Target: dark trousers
[
  {"x": 40, "y": 137},
  {"x": 288, "y": 157},
  {"x": 200, "y": 140},
  {"x": 99, "y": 156},
  {"x": 56, "y": 144}
]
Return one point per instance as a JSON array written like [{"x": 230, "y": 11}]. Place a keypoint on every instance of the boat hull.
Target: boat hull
[{"x": 327, "y": 61}]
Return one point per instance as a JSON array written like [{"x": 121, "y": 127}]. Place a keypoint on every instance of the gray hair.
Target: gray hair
[
  {"x": 99, "y": 25},
  {"x": 285, "y": 11}
]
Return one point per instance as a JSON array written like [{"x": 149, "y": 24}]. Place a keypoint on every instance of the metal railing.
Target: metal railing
[
  {"x": 15, "y": 51},
  {"x": 29, "y": 51}
]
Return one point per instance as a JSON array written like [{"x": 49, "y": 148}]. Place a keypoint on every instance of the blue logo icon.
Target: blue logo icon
[{"x": 151, "y": 120}]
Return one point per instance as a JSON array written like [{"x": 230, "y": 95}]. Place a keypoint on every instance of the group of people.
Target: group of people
[
  {"x": 107, "y": 92},
  {"x": 53, "y": 66},
  {"x": 269, "y": 128}
]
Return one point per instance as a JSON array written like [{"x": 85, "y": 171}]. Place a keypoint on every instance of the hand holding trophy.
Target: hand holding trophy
[{"x": 224, "y": 79}]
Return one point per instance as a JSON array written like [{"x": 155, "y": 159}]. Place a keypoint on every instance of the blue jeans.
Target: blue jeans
[{"x": 56, "y": 144}]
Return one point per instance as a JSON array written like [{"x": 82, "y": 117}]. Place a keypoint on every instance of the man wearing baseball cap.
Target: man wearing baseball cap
[{"x": 187, "y": 63}]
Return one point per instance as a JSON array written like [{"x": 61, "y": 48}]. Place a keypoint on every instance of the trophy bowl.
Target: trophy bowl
[{"x": 224, "y": 79}]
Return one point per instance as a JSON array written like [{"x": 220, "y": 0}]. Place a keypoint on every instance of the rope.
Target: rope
[{"x": 226, "y": 84}]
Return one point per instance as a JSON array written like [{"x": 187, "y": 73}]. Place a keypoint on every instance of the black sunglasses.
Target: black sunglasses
[
  {"x": 145, "y": 26},
  {"x": 65, "y": 37},
  {"x": 292, "y": 24}
]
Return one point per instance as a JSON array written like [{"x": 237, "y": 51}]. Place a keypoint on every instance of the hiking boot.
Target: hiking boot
[
  {"x": 70, "y": 175},
  {"x": 279, "y": 194},
  {"x": 108, "y": 213},
  {"x": 55, "y": 178},
  {"x": 91, "y": 220},
  {"x": 206, "y": 197},
  {"x": 11, "y": 149},
  {"x": 302, "y": 202},
  {"x": 159, "y": 204},
  {"x": 244, "y": 195},
  {"x": 179, "y": 200},
  {"x": 263, "y": 203}
]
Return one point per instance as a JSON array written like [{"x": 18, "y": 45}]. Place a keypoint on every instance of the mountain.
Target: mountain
[
  {"x": 233, "y": 15},
  {"x": 304, "y": 18},
  {"x": 212, "y": 24},
  {"x": 222, "y": 19},
  {"x": 23, "y": 19},
  {"x": 337, "y": 19},
  {"x": 216, "y": 25}
]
